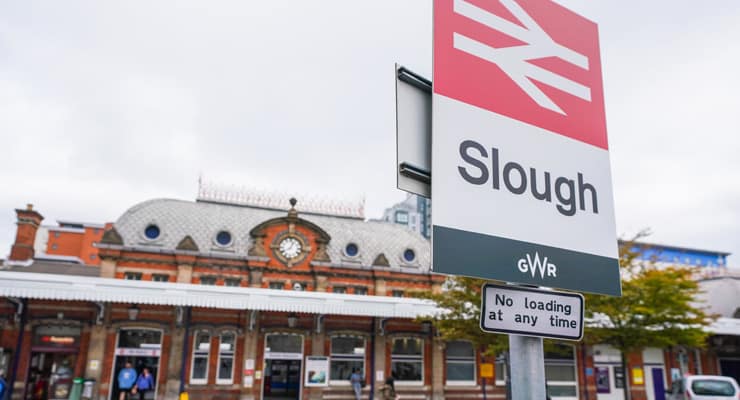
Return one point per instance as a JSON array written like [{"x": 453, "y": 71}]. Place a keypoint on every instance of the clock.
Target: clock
[{"x": 290, "y": 247}]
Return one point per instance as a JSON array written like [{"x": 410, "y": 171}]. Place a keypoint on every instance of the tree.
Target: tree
[
  {"x": 460, "y": 301},
  {"x": 657, "y": 308}
]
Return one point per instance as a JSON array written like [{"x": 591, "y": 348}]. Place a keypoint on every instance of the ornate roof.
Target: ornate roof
[{"x": 202, "y": 221}]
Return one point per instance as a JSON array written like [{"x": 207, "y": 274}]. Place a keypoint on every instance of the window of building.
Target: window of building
[
  {"x": 233, "y": 282},
  {"x": 361, "y": 290},
  {"x": 500, "y": 370},
  {"x": 226, "y": 348},
  {"x": 54, "y": 246},
  {"x": 277, "y": 285},
  {"x": 460, "y": 357},
  {"x": 160, "y": 278},
  {"x": 207, "y": 280},
  {"x": 397, "y": 293},
  {"x": 347, "y": 353},
  {"x": 351, "y": 250},
  {"x": 96, "y": 231},
  {"x": 407, "y": 361},
  {"x": 132, "y": 276},
  {"x": 56, "y": 234},
  {"x": 339, "y": 289},
  {"x": 402, "y": 217},
  {"x": 409, "y": 255},
  {"x": 93, "y": 256},
  {"x": 223, "y": 238},
  {"x": 151, "y": 232},
  {"x": 560, "y": 372},
  {"x": 201, "y": 350}
]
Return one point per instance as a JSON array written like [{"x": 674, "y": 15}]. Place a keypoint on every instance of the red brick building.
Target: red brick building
[{"x": 231, "y": 301}]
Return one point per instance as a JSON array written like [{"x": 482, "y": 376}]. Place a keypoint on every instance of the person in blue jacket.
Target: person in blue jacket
[
  {"x": 126, "y": 381},
  {"x": 144, "y": 383},
  {"x": 3, "y": 384}
]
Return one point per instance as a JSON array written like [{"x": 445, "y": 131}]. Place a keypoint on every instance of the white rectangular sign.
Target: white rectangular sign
[
  {"x": 521, "y": 179},
  {"x": 413, "y": 132},
  {"x": 317, "y": 371},
  {"x": 531, "y": 312}
]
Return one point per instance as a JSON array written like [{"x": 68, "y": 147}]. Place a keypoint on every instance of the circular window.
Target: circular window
[
  {"x": 409, "y": 255},
  {"x": 351, "y": 250},
  {"x": 223, "y": 238},
  {"x": 151, "y": 232}
]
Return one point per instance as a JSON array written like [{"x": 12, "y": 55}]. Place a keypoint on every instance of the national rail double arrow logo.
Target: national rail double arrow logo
[{"x": 515, "y": 60}]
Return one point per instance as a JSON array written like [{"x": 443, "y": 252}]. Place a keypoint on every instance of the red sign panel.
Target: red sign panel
[{"x": 534, "y": 61}]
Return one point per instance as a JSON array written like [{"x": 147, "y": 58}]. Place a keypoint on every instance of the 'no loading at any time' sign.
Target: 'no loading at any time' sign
[{"x": 531, "y": 312}]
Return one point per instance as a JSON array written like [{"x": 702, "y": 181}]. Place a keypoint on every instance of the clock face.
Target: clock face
[{"x": 290, "y": 247}]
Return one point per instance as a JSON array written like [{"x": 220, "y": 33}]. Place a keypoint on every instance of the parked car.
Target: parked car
[{"x": 704, "y": 387}]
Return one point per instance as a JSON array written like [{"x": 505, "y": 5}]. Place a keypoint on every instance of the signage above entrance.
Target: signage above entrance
[
  {"x": 521, "y": 178},
  {"x": 531, "y": 312}
]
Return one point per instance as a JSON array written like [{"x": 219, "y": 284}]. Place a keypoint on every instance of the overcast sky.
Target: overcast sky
[{"x": 106, "y": 104}]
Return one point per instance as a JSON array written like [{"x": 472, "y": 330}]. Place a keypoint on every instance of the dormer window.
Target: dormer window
[
  {"x": 223, "y": 238},
  {"x": 351, "y": 250},
  {"x": 409, "y": 255},
  {"x": 151, "y": 232}
]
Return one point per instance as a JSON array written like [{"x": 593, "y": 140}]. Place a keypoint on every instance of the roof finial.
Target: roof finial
[{"x": 292, "y": 213}]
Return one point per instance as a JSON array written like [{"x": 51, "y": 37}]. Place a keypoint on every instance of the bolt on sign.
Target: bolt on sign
[
  {"x": 521, "y": 177},
  {"x": 531, "y": 312}
]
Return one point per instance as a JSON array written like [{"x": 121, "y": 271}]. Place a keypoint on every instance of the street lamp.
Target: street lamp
[
  {"x": 133, "y": 312},
  {"x": 292, "y": 320}
]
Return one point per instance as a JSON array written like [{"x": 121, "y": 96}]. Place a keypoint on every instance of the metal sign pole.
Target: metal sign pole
[{"x": 527, "y": 358}]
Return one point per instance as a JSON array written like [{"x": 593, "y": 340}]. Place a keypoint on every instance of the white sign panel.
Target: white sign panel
[
  {"x": 531, "y": 312},
  {"x": 521, "y": 180},
  {"x": 413, "y": 132},
  {"x": 317, "y": 371},
  {"x": 138, "y": 352}
]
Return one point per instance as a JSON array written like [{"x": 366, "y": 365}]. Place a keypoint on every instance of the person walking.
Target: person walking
[
  {"x": 388, "y": 391},
  {"x": 3, "y": 384},
  {"x": 144, "y": 383},
  {"x": 126, "y": 381},
  {"x": 356, "y": 380}
]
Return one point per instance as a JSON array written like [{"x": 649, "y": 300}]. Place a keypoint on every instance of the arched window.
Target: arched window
[
  {"x": 226, "y": 349},
  {"x": 560, "y": 372},
  {"x": 347, "y": 353},
  {"x": 460, "y": 363},
  {"x": 201, "y": 351},
  {"x": 407, "y": 360}
]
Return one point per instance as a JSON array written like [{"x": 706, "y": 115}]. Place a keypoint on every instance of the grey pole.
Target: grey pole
[{"x": 527, "y": 359}]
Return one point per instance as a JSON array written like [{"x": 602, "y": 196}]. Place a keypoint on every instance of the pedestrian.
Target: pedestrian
[
  {"x": 3, "y": 384},
  {"x": 126, "y": 381},
  {"x": 356, "y": 380},
  {"x": 144, "y": 383},
  {"x": 388, "y": 391}
]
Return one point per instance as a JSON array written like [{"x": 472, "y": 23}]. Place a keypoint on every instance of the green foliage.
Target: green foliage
[
  {"x": 461, "y": 300},
  {"x": 658, "y": 307}
]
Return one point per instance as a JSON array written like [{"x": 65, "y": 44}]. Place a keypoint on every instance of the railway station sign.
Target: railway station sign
[
  {"x": 521, "y": 180},
  {"x": 531, "y": 312}
]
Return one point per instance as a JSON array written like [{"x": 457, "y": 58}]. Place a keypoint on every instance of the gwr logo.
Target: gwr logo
[
  {"x": 514, "y": 60},
  {"x": 533, "y": 265},
  {"x": 534, "y": 61}
]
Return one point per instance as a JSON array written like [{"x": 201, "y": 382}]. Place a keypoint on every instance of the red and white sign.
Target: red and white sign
[{"x": 519, "y": 147}]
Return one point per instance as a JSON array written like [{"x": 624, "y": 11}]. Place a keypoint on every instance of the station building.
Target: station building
[{"x": 226, "y": 299}]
